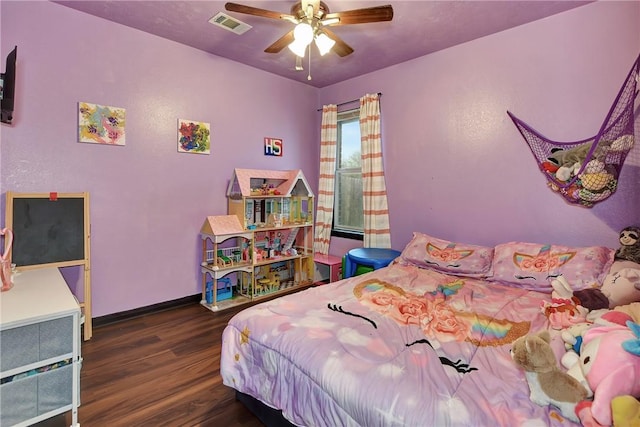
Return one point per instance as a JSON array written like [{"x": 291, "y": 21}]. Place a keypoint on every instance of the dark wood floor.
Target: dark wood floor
[{"x": 161, "y": 369}]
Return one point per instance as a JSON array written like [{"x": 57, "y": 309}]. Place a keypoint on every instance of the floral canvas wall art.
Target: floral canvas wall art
[
  {"x": 101, "y": 124},
  {"x": 194, "y": 137}
]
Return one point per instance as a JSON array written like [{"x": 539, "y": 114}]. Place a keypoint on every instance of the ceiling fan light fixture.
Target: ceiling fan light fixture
[
  {"x": 324, "y": 43},
  {"x": 303, "y": 33},
  {"x": 298, "y": 48}
]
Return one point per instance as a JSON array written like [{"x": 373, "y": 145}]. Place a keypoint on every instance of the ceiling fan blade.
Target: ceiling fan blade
[
  {"x": 341, "y": 48},
  {"x": 281, "y": 43},
  {"x": 362, "y": 16},
  {"x": 249, "y": 10}
]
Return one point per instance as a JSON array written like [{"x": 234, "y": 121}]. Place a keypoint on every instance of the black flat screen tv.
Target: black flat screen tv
[{"x": 8, "y": 87}]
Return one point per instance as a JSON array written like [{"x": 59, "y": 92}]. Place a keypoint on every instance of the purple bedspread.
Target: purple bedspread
[{"x": 400, "y": 346}]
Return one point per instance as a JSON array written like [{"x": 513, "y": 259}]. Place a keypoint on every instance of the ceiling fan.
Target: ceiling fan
[{"x": 311, "y": 19}]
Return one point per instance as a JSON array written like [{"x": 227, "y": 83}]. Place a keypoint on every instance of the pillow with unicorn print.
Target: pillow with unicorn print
[
  {"x": 533, "y": 265},
  {"x": 463, "y": 259}
]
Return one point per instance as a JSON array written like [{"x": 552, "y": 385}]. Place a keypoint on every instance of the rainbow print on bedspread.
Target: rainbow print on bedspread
[
  {"x": 400, "y": 346},
  {"x": 435, "y": 316}
]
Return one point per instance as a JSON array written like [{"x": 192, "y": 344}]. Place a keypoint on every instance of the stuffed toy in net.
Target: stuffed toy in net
[{"x": 586, "y": 172}]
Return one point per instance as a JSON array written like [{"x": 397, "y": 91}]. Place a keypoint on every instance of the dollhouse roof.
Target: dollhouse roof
[
  {"x": 220, "y": 225},
  {"x": 286, "y": 182}
]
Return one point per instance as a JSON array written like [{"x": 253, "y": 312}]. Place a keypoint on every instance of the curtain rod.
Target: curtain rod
[{"x": 348, "y": 102}]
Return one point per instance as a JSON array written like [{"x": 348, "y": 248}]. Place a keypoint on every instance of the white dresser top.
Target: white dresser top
[{"x": 37, "y": 295}]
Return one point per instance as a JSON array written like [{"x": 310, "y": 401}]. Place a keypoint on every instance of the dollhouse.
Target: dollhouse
[
  {"x": 266, "y": 197},
  {"x": 264, "y": 245},
  {"x": 226, "y": 258}
]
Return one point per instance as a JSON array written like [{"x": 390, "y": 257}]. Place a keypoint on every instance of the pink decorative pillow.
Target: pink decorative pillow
[
  {"x": 448, "y": 257},
  {"x": 533, "y": 266}
]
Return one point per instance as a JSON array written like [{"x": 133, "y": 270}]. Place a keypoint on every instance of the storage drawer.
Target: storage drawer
[
  {"x": 18, "y": 400},
  {"x": 28, "y": 397},
  {"x": 55, "y": 389},
  {"x": 32, "y": 343},
  {"x": 56, "y": 337},
  {"x": 19, "y": 346}
]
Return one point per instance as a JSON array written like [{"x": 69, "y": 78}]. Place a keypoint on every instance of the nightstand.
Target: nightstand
[{"x": 328, "y": 269}]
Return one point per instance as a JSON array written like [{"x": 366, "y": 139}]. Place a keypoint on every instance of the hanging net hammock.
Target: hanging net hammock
[{"x": 586, "y": 172}]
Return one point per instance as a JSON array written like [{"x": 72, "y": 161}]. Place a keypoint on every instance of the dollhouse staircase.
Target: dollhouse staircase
[{"x": 291, "y": 239}]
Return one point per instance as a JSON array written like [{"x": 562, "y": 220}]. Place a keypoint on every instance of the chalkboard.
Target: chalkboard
[
  {"x": 52, "y": 230},
  {"x": 48, "y": 228}
]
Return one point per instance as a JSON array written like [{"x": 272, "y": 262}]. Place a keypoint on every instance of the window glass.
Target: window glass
[{"x": 348, "y": 218}]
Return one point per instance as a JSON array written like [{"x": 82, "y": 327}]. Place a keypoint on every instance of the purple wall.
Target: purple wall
[
  {"x": 456, "y": 166},
  {"x": 148, "y": 201}
]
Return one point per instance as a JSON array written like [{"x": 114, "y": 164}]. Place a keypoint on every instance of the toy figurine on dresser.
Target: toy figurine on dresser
[{"x": 5, "y": 260}]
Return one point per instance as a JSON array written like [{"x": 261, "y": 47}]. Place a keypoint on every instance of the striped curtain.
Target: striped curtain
[
  {"x": 324, "y": 209},
  {"x": 374, "y": 193}
]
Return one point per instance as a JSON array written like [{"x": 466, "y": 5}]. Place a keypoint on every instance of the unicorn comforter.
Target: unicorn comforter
[{"x": 401, "y": 346}]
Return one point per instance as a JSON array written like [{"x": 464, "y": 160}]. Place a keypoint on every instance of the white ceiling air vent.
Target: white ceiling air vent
[{"x": 223, "y": 20}]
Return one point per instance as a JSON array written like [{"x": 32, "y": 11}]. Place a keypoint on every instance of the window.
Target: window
[{"x": 348, "y": 218}]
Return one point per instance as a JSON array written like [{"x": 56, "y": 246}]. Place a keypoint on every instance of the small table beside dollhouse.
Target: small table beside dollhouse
[{"x": 372, "y": 257}]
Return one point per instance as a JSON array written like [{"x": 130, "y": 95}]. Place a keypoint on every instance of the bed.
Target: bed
[{"x": 422, "y": 342}]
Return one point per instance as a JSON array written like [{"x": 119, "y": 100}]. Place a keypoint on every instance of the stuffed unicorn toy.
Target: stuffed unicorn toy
[{"x": 611, "y": 365}]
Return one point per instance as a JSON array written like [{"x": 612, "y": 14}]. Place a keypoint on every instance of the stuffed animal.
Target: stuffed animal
[
  {"x": 629, "y": 245},
  {"x": 625, "y": 142},
  {"x": 547, "y": 383},
  {"x": 577, "y": 154},
  {"x": 595, "y": 181},
  {"x": 570, "y": 161},
  {"x": 633, "y": 345},
  {"x": 572, "y": 335},
  {"x": 609, "y": 369},
  {"x": 594, "y": 166},
  {"x": 565, "y": 173},
  {"x": 625, "y": 411},
  {"x": 621, "y": 286},
  {"x": 549, "y": 167},
  {"x": 569, "y": 157},
  {"x": 632, "y": 310},
  {"x": 572, "y": 338},
  {"x": 563, "y": 310}
]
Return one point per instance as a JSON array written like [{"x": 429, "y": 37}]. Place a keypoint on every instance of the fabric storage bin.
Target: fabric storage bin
[
  {"x": 32, "y": 343},
  {"x": 33, "y": 395},
  {"x": 19, "y": 346},
  {"x": 18, "y": 400},
  {"x": 55, "y": 389},
  {"x": 56, "y": 337}
]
